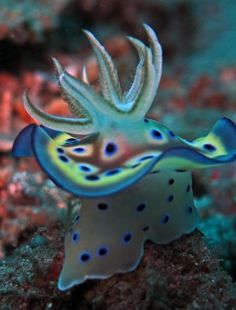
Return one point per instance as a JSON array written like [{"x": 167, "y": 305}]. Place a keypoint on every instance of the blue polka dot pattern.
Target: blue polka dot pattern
[
  {"x": 170, "y": 198},
  {"x": 64, "y": 158},
  {"x": 165, "y": 219},
  {"x": 154, "y": 172},
  {"x": 127, "y": 238},
  {"x": 156, "y": 134},
  {"x": 110, "y": 149},
  {"x": 209, "y": 147},
  {"x": 189, "y": 210},
  {"x": 77, "y": 219},
  {"x": 171, "y": 134},
  {"x": 85, "y": 257},
  {"x": 102, "y": 251},
  {"x": 70, "y": 140},
  {"x": 84, "y": 168},
  {"x": 112, "y": 172},
  {"x": 92, "y": 177},
  {"x": 141, "y": 207},
  {"x": 146, "y": 157},
  {"x": 145, "y": 228},
  {"x": 102, "y": 206},
  {"x": 135, "y": 165},
  {"x": 75, "y": 237},
  {"x": 79, "y": 150},
  {"x": 60, "y": 150}
]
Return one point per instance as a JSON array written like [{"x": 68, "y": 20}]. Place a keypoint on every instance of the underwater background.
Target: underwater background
[{"x": 198, "y": 86}]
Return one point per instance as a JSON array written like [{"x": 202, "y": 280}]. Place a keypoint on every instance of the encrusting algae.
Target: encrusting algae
[{"x": 132, "y": 174}]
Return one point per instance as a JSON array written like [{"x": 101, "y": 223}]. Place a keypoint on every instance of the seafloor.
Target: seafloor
[{"x": 197, "y": 271}]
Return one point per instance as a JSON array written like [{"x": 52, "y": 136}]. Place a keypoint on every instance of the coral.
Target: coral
[
  {"x": 220, "y": 232},
  {"x": 25, "y": 195},
  {"x": 26, "y": 19}
]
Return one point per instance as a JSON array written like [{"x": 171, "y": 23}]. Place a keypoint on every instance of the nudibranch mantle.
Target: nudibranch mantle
[{"x": 133, "y": 174}]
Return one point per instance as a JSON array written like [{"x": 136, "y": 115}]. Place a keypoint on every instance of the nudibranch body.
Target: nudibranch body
[{"x": 133, "y": 174}]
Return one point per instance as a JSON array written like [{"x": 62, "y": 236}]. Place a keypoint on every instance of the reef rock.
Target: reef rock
[{"x": 180, "y": 275}]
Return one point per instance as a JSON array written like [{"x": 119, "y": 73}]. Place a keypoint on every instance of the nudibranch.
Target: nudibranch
[{"x": 132, "y": 174}]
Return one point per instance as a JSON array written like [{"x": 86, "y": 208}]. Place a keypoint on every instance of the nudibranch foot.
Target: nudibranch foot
[{"x": 108, "y": 233}]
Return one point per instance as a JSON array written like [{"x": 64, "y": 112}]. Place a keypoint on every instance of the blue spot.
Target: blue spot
[
  {"x": 102, "y": 206},
  {"x": 188, "y": 188},
  {"x": 64, "y": 158},
  {"x": 102, "y": 251},
  {"x": 165, "y": 219},
  {"x": 146, "y": 120},
  {"x": 60, "y": 150},
  {"x": 146, "y": 157},
  {"x": 85, "y": 257},
  {"x": 170, "y": 198},
  {"x": 171, "y": 181},
  {"x": 77, "y": 219},
  {"x": 70, "y": 140},
  {"x": 92, "y": 177},
  {"x": 156, "y": 134},
  {"x": 79, "y": 150},
  {"x": 135, "y": 165},
  {"x": 209, "y": 147},
  {"x": 112, "y": 172},
  {"x": 171, "y": 134},
  {"x": 75, "y": 237},
  {"x": 85, "y": 168},
  {"x": 180, "y": 170},
  {"x": 189, "y": 210},
  {"x": 154, "y": 172},
  {"x": 111, "y": 149},
  {"x": 141, "y": 207},
  {"x": 145, "y": 228},
  {"x": 127, "y": 238}
]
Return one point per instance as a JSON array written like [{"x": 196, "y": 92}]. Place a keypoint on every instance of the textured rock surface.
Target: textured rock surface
[
  {"x": 26, "y": 19},
  {"x": 182, "y": 275}
]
